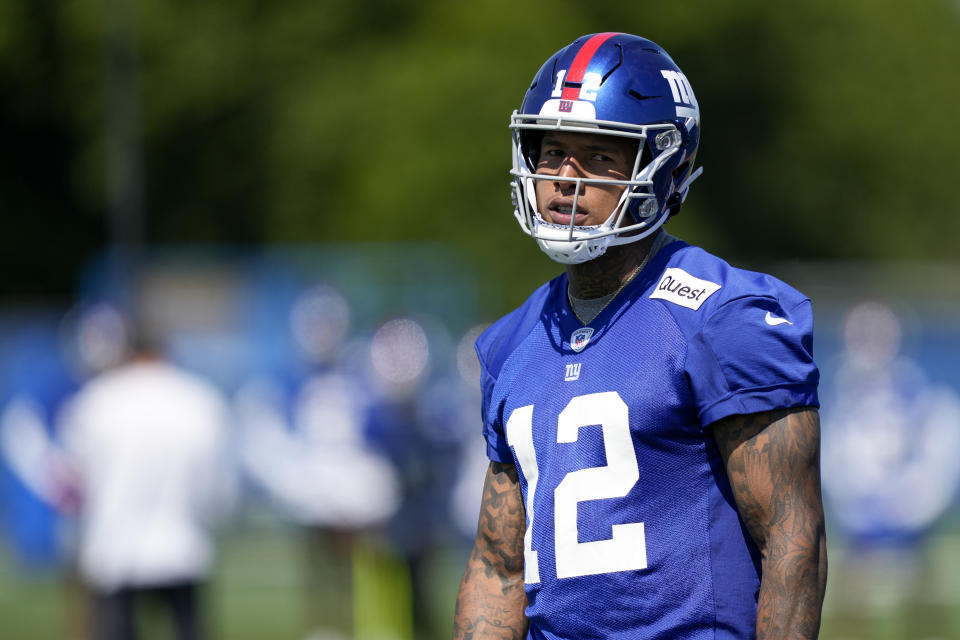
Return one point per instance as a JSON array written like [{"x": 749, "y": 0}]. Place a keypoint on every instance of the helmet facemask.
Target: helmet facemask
[{"x": 638, "y": 213}]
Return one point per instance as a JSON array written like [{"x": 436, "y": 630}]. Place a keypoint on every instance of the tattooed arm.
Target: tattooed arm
[
  {"x": 773, "y": 461},
  {"x": 491, "y": 600}
]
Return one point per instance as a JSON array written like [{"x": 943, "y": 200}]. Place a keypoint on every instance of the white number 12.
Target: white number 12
[
  {"x": 626, "y": 549},
  {"x": 588, "y": 88}
]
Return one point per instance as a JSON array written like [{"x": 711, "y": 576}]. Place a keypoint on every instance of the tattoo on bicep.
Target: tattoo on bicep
[{"x": 772, "y": 461}]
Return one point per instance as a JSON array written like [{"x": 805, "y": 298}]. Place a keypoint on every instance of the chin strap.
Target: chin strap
[{"x": 684, "y": 187}]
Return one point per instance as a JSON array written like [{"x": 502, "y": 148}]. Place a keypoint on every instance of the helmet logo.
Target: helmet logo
[{"x": 682, "y": 94}]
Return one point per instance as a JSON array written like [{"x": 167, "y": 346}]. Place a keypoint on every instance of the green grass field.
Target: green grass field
[{"x": 264, "y": 588}]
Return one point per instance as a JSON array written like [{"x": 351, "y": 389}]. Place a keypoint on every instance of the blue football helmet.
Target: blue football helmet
[{"x": 608, "y": 84}]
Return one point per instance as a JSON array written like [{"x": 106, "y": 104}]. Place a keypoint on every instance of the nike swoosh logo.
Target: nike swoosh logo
[{"x": 773, "y": 320}]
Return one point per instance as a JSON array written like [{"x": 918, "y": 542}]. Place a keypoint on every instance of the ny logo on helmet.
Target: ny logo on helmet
[{"x": 682, "y": 93}]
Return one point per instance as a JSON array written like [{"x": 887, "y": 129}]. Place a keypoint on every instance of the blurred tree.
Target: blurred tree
[
  {"x": 826, "y": 126},
  {"x": 47, "y": 231}
]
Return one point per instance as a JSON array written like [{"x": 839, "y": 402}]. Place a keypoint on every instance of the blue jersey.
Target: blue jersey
[{"x": 632, "y": 530}]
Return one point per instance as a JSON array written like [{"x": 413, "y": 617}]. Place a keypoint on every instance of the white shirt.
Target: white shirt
[{"x": 149, "y": 443}]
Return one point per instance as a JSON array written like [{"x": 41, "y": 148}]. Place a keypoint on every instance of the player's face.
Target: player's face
[{"x": 582, "y": 155}]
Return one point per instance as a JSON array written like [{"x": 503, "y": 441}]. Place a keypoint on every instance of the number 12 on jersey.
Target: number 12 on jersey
[{"x": 626, "y": 549}]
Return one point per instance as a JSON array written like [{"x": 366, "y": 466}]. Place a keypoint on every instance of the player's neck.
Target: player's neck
[{"x": 609, "y": 272}]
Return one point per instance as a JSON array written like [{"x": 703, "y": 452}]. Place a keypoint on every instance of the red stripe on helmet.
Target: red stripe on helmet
[{"x": 581, "y": 62}]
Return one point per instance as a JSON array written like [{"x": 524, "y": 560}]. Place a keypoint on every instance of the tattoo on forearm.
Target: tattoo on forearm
[
  {"x": 772, "y": 460},
  {"x": 491, "y": 600}
]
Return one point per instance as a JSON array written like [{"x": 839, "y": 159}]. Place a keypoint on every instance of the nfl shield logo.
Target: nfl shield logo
[
  {"x": 580, "y": 338},
  {"x": 566, "y": 106}
]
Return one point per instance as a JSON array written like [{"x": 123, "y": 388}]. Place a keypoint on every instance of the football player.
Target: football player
[{"x": 651, "y": 413}]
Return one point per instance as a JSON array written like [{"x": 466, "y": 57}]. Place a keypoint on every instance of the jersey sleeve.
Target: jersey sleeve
[
  {"x": 753, "y": 355},
  {"x": 497, "y": 448}
]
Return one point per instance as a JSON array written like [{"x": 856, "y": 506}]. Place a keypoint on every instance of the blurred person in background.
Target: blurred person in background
[
  {"x": 304, "y": 446},
  {"x": 35, "y": 380},
  {"x": 890, "y": 437},
  {"x": 147, "y": 446},
  {"x": 413, "y": 420},
  {"x": 651, "y": 414},
  {"x": 890, "y": 468}
]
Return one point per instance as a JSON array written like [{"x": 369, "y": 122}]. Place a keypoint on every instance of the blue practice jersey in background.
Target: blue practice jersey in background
[{"x": 632, "y": 530}]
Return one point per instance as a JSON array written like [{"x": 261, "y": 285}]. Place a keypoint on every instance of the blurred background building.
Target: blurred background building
[{"x": 309, "y": 203}]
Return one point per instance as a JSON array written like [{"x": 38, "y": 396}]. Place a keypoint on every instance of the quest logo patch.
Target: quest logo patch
[{"x": 679, "y": 287}]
